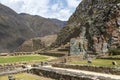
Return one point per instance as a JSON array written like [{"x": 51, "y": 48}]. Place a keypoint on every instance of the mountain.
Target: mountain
[
  {"x": 95, "y": 21},
  {"x": 16, "y": 28},
  {"x": 13, "y": 30},
  {"x": 59, "y": 22},
  {"x": 41, "y": 26}
]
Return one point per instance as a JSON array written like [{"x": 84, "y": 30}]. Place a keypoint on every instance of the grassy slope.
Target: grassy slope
[
  {"x": 24, "y": 58},
  {"x": 98, "y": 62},
  {"x": 25, "y": 76}
]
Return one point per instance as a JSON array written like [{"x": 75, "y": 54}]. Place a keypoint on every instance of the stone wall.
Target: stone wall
[
  {"x": 21, "y": 53},
  {"x": 7, "y": 69},
  {"x": 52, "y": 54},
  {"x": 65, "y": 75},
  {"x": 58, "y": 75},
  {"x": 110, "y": 58},
  {"x": 13, "y": 72},
  {"x": 90, "y": 68},
  {"x": 68, "y": 59}
]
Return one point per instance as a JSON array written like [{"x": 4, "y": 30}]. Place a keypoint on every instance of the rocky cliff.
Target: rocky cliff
[{"x": 97, "y": 22}]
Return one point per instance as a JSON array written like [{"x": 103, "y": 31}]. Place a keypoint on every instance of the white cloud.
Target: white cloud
[
  {"x": 55, "y": 7},
  {"x": 31, "y": 6},
  {"x": 62, "y": 14},
  {"x": 73, "y": 3},
  {"x": 14, "y": 4},
  {"x": 65, "y": 13},
  {"x": 44, "y": 8}
]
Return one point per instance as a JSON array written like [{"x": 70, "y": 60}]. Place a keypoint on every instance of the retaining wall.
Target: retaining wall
[
  {"x": 65, "y": 75},
  {"x": 53, "y": 54},
  {"x": 107, "y": 70}
]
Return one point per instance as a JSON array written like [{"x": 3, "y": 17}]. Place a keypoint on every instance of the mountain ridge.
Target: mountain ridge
[{"x": 14, "y": 29}]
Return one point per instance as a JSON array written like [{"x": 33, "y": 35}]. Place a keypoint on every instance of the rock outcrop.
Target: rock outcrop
[{"x": 97, "y": 22}]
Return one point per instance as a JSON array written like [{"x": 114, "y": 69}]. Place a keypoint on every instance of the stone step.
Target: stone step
[
  {"x": 63, "y": 49},
  {"x": 56, "y": 54},
  {"x": 68, "y": 47}
]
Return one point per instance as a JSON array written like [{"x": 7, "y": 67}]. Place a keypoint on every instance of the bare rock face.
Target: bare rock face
[{"x": 98, "y": 21}]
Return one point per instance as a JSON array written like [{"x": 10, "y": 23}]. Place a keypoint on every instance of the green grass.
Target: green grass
[
  {"x": 23, "y": 58},
  {"x": 98, "y": 62},
  {"x": 25, "y": 76}
]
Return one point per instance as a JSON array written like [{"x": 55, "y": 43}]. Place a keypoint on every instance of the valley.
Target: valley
[{"x": 86, "y": 47}]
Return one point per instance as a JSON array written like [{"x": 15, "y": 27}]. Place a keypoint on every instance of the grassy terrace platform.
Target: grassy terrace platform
[
  {"x": 25, "y": 76},
  {"x": 116, "y": 57},
  {"x": 98, "y": 62},
  {"x": 24, "y": 58}
]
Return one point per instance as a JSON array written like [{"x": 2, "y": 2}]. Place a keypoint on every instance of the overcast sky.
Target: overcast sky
[{"x": 60, "y": 9}]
